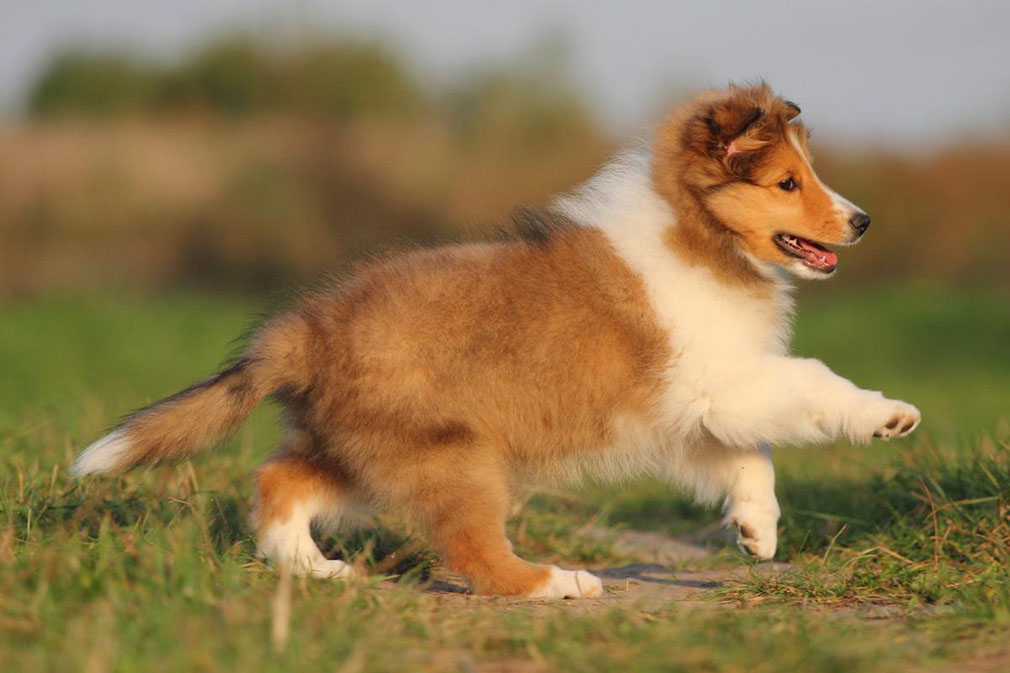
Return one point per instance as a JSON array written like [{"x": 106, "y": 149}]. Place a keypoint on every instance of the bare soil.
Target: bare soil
[{"x": 661, "y": 573}]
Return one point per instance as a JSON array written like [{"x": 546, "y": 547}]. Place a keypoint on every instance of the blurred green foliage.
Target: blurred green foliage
[
  {"x": 95, "y": 84},
  {"x": 157, "y": 570},
  {"x": 249, "y": 165},
  {"x": 235, "y": 76}
]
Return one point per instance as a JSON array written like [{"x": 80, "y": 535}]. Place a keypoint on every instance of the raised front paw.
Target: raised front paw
[{"x": 901, "y": 419}]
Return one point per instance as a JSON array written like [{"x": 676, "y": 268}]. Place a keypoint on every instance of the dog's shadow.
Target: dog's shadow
[
  {"x": 646, "y": 573},
  {"x": 654, "y": 573},
  {"x": 388, "y": 551}
]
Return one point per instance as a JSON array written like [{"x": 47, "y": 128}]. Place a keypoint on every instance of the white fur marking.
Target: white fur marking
[
  {"x": 841, "y": 205},
  {"x": 730, "y": 374},
  {"x": 712, "y": 328},
  {"x": 569, "y": 584},
  {"x": 751, "y": 507},
  {"x": 104, "y": 455},
  {"x": 290, "y": 542}
]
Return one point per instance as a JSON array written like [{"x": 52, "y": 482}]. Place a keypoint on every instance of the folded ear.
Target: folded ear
[
  {"x": 792, "y": 110},
  {"x": 736, "y": 128}
]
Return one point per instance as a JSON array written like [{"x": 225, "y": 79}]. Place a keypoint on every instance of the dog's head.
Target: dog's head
[{"x": 741, "y": 157}]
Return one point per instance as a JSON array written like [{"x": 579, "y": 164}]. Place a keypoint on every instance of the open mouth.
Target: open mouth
[{"x": 813, "y": 255}]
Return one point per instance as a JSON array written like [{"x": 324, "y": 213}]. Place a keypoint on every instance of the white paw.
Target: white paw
[
  {"x": 877, "y": 416},
  {"x": 899, "y": 420},
  {"x": 319, "y": 568},
  {"x": 569, "y": 584},
  {"x": 337, "y": 570},
  {"x": 756, "y": 528}
]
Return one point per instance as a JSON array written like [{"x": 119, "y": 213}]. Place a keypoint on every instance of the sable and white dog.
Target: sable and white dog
[{"x": 639, "y": 325}]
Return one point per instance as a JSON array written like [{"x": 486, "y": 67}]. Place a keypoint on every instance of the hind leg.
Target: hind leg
[
  {"x": 293, "y": 492},
  {"x": 464, "y": 512}
]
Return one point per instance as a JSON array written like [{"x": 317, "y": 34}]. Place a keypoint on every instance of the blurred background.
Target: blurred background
[
  {"x": 169, "y": 170},
  {"x": 178, "y": 165}
]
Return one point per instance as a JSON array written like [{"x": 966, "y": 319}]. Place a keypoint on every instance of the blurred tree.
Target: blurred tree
[
  {"x": 234, "y": 75},
  {"x": 78, "y": 82},
  {"x": 347, "y": 81},
  {"x": 530, "y": 103}
]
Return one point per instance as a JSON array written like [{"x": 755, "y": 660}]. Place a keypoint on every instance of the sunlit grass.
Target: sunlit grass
[{"x": 156, "y": 570}]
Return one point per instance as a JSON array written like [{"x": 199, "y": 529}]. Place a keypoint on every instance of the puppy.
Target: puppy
[{"x": 640, "y": 325}]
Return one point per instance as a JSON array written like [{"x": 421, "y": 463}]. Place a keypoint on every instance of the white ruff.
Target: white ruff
[
  {"x": 730, "y": 383},
  {"x": 713, "y": 329}
]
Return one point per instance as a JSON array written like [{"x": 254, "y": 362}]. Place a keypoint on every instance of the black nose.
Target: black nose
[{"x": 860, "y": 222}]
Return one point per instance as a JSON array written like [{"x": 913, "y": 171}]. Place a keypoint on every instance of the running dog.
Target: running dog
[{"x": 638, "y": 325}]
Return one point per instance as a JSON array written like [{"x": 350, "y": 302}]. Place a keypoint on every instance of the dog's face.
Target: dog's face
[{"x": 752, "y": 172}]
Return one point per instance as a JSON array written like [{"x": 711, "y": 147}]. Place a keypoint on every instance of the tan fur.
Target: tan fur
[
  {"x": 431, "y": 379},
  {"x": 436, "y": 374},
  {"x": 171, "y": 429},
  {"x": 718, "y": 160},
  {"x": 291, "y": 476}
]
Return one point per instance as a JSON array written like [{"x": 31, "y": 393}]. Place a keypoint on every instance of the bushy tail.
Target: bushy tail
[{"x": 175, "y": 427}]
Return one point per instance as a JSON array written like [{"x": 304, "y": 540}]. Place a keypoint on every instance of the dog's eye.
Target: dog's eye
[{"x": 787, "y": 185}]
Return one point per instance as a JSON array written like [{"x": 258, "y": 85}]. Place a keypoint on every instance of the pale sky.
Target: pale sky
[{"x": 902, "y": 72}]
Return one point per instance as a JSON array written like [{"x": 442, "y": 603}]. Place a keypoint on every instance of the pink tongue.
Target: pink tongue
[{"x": 817, "y": 257}]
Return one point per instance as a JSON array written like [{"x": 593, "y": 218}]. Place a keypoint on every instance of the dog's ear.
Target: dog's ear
[
  {"x": 737, "y": 128},
  {"x": 746, "y": 137},
  {"x": 792, "y": 111}
]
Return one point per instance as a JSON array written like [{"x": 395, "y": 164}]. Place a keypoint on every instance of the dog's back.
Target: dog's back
[{"x": 640, "y": 328}]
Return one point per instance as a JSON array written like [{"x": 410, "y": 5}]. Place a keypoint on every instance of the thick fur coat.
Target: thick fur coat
[{"x": 640, "y": 325}]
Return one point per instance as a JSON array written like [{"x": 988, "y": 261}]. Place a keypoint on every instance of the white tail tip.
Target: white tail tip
[{"x": 104, "y": 455}]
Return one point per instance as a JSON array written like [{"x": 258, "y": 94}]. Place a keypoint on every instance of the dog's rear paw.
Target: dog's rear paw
[
  {"x": 330, "y": 570},
  {"x": 569, "y": 584},
  {"x": 902, "y": 420},
  {"x": 756, "y": 529}
]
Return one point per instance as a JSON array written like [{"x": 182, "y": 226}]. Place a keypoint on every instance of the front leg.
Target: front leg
[
  {"x": 744, "y": 479},
  {"x": 792, "y": 400},
  {"x": 751, "y": 506}
]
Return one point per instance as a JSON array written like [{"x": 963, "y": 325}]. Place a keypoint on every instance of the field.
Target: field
[{"x": 892, "y": 556}]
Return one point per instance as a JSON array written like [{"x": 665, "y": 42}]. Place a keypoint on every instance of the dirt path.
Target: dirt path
[
  {"x": 644, "y": 585},
  {"x": 665, "y": 571},
  {"x": 649, "y": 581}
]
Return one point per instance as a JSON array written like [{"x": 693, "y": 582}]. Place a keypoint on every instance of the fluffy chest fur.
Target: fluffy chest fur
[{"x": 714, "y": 329}]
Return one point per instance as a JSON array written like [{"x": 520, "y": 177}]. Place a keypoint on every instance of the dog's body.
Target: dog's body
[{"x": 640, "y": 326}]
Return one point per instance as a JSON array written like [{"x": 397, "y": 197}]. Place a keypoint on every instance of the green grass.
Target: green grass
[
  {"x": 944, "y": 349},
  {"x": 156, "y": 571}
]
